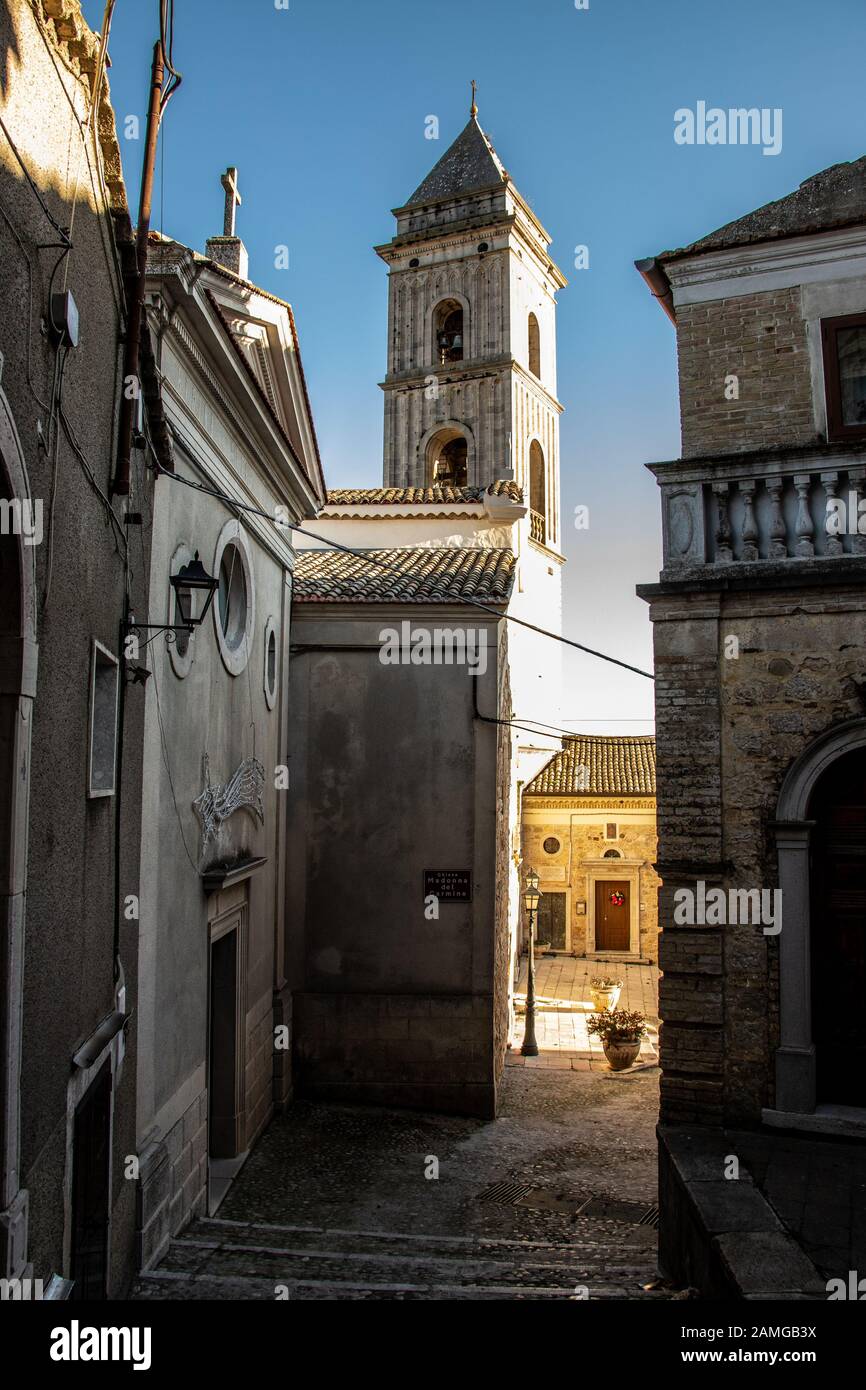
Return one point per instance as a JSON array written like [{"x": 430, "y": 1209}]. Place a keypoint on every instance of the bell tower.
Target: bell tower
[{"x": 470, "y": 390}]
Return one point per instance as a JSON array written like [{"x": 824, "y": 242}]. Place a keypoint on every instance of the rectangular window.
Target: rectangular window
[
  {"x": 104, "y": 692},
  {"x": 611, "y": 830},
  {"x": 844, "y": 342}
]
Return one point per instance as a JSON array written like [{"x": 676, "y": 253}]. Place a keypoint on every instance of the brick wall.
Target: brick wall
[
  {"x": 761, "y": 338},
  {"x": 802, "y": 661}
]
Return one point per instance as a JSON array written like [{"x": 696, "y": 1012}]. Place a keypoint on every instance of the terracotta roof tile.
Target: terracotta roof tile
[
  {"x": 438, "y": 494},
  {"x": 413, "y": 575},
  {"x": 599, "y": 765}
]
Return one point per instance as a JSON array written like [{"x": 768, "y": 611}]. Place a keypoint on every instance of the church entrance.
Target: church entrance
[
  {"x": 838, "y": 931},
  {"x": 226, "y": 1052},
  {"x": 612, "y": 915}
]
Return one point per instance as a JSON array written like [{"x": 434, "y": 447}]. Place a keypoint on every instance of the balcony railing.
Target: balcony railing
[
  {"x": 537, "y": 528},
  {"x": 735, "y": 512}
]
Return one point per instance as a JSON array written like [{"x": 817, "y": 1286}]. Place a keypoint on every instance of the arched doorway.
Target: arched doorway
[
  {"x": 819, "y": 832},
  {"x": 447, "y": 459},
  {"x": 838, "y": 930}
]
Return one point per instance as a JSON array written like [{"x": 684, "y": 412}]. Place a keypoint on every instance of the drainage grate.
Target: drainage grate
[
  {"x": 505, "y": 1193},
  {"x": 609, "y": 1209}
]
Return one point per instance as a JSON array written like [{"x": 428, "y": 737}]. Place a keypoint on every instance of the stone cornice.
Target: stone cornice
[
  {"x": 475, "y": 370},
  {"x": 533, "y": 802}
]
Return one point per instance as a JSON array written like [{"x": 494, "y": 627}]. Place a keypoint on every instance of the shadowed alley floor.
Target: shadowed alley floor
[{"x": 334, "y": 1203}]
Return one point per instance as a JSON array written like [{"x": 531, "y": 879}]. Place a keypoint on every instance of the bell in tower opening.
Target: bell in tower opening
[
  {"x": 449, "y": 332},
  {"x": 446, "y": 460}
]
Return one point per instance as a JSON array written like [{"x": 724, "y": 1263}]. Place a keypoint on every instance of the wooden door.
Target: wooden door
[
  {"x": 91, "y": 1155},
  {"x": 612, "y": 915},
  {"x": 838, "y": 931},
  {"x": 224, "y": 1060},
  {"x": 550, "y": 927}
]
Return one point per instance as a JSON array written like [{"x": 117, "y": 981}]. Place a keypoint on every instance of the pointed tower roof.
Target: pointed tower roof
[{"x": 468, "y": 166}]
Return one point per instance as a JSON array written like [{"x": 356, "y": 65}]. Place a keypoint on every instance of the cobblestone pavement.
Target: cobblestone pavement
[
  {"x": 334, "y": 1202},
  {"x": 563, "y": 1005}
]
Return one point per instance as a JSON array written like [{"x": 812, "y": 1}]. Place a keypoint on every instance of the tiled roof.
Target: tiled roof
[
  {"x": 468, "y": 166},
  {"x": 834, "y": 198},
  {"x": 413, "y": 575},
  {"x": 442, "y": 494},
  {"x": 599, "y": 765}
]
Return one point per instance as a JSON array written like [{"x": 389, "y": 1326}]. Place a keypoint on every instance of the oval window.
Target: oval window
[
  {"x": 551, "y": 845},
  {"x": 232, "y": 597}
]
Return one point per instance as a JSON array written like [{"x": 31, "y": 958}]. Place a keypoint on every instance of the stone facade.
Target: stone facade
[
  {"x": 760, "y": 657},
  {"x": 585, "y": 856}
]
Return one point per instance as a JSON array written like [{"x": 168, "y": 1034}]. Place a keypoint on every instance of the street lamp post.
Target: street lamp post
[{"x": 531, "y": 899}]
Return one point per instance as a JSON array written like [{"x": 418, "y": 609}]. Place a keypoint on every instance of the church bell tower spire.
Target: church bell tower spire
[{"x": 470, "y": 390}]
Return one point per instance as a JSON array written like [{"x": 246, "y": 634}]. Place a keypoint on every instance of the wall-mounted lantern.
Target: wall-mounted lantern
[{"x": 194, "y": 590}]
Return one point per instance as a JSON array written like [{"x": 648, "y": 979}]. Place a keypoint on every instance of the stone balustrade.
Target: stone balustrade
[
  {"x": 537, "y": 528},
  {"x": 777, "y": 508}
]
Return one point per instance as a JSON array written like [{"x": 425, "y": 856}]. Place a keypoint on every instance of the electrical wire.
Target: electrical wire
[
  {"x": 10, "y": 224},
  {"x": 89, "y": 126},
  {"x": 166, "y": 38},
  {"x": 62, "y": 232},
  {"x": 53, "y": 454},
  {"x": 383, "y": 565}
]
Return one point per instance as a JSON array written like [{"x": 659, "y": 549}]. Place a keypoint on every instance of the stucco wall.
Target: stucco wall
[
  {"x": 392, "y": 774},
  {"x": 68, "y": 983}
]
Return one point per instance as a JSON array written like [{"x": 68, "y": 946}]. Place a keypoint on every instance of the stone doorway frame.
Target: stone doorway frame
[
  {"x": 607, "y": 871},
  {"x": 795, "y": 1055},
  {"x": 18, "y": 667}
]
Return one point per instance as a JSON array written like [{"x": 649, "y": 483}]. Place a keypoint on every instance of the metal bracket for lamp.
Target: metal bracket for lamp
[{"x": 190, "y": 580}]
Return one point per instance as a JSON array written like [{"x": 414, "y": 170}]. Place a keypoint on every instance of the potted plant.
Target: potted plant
[
  {"x": 620, "y": 1031},
  {"x": 604, "y": 992}
]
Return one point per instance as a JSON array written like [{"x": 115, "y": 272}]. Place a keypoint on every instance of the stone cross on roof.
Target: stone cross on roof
[{"x": 229, "y": 181}]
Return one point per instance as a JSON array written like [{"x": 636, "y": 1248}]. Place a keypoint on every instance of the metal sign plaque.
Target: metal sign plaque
[{"x": 448, "y": 885}]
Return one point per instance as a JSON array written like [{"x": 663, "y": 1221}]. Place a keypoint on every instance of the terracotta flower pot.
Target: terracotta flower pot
[
  {"x": 605, "y": 1000},
  {"x": 621, "y": 1054}
]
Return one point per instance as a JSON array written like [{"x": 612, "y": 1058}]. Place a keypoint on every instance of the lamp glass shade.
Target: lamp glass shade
[
  {"x": 194, "y": 589},
  {"x": 531, "y": 899},
  {"x": 531, "y": 879}
]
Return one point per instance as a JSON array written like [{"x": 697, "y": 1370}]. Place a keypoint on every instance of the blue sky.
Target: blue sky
[{"x": 322, "y": 107}]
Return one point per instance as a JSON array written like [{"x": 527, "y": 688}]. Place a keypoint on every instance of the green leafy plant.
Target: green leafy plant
[
  {"x": 617, "y": 1026},
  {"x": 602, "y": 982}
]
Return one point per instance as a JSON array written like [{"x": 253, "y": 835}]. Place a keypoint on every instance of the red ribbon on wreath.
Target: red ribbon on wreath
[{"x": 616, "y": 898}]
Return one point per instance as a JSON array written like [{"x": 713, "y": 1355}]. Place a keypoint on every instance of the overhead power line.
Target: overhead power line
[{"x": 365, "y": 556}]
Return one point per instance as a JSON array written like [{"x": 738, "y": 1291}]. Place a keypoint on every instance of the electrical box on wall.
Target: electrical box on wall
[{"x": 64, "y": 318}]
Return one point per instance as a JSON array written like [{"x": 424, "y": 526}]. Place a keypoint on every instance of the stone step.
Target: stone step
[
  {"x": 223, "y": 1259},
  {"x": 407, "y": 1266},
  {"x": 161, "y": 1284},
  {"x": 301, "y": 1240}
]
